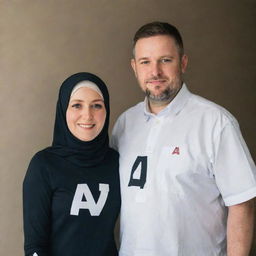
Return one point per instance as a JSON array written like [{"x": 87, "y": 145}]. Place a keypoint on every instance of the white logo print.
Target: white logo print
[
  {"x": 94, "y": 208},
  {"x": 35, "y": 254}
]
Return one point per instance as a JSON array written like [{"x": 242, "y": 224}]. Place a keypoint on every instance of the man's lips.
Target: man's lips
[{"x": 156, "y": 82}]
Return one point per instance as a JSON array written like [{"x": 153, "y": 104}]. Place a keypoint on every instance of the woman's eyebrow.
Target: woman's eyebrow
[
  {"x": 98, "y": 100},
  {"x": 79, "y": 100}
]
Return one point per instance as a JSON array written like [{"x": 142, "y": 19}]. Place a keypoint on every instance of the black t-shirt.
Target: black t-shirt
[{"x": 70, "y": 210}]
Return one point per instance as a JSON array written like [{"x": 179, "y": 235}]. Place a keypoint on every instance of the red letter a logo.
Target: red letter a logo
[{"x": 176, "y": 151}]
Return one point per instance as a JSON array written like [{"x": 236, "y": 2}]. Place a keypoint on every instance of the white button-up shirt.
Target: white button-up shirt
[{"x": 179, "y": 170}]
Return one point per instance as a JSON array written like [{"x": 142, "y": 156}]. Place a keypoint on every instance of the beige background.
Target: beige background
[{"x": 44, "y": 41}]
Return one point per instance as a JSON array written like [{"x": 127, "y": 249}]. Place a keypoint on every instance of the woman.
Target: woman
[{"x": 71, "y": 195}]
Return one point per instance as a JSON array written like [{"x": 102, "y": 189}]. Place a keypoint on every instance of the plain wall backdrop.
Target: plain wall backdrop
[{"x": 42, "y": 42}]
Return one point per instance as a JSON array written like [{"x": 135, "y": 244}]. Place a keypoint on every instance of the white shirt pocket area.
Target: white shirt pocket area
[{"x": 182, "y": 169}]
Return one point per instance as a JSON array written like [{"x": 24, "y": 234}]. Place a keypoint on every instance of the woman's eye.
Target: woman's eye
[
  {"x": 97, "y": 106},
  {"x": 77, "y": 105}
]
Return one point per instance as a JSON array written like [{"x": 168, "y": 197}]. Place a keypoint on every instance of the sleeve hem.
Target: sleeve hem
[{"x": 240, "y": 198}]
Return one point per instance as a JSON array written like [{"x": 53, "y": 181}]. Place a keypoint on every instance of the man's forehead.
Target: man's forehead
[{"x": 160, "y": 44}]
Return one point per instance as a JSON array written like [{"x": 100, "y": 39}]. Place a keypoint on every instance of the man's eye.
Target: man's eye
[
  {"x": 166, "y": 60},
  {"x": 144, "y": 62},
  {"x": 77, "y": 105},
  {"x": 97, "y": 106}
]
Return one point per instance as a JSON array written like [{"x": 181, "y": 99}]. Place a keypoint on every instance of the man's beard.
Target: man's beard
[{"x": 165, "y": 96}]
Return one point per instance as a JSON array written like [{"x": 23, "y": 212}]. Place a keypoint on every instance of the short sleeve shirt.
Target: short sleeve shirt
[{"x": 179, "y": 170}]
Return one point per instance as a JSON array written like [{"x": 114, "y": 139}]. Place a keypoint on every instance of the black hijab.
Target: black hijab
[{"x": 65, "y": 144}]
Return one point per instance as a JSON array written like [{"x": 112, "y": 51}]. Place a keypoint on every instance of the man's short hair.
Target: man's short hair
[{"x": 159, "y": 28}]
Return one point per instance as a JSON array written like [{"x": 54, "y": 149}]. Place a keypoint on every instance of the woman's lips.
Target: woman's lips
[{"x": 87, "y": 126}]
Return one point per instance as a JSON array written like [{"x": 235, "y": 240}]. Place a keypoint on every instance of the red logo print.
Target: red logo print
[{"x": 176, "y": 151}]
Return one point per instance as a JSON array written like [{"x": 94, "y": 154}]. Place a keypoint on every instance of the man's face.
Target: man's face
[{"x": 158, "y": 67}]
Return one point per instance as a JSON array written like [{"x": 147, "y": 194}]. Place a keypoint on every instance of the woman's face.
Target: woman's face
[{"x": 86, "y": 114}]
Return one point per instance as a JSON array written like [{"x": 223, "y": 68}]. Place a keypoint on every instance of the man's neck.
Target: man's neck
[{"x": 156, "y": 107}]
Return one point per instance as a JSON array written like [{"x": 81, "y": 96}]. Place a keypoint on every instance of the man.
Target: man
[{"x": 187, "y": 178}]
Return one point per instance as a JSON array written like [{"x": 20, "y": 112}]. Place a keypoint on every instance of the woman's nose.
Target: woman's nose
[{"x": 87, "y": 113}]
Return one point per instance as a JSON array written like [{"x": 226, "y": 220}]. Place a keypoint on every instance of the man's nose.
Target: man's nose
[{"x": 156, "y": 70}]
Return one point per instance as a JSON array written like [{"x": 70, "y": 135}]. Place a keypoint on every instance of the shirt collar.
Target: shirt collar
[{"x": 173, "y": 108}]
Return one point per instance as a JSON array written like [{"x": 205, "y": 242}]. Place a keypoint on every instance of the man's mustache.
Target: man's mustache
[{"x": 156, "y": 78}]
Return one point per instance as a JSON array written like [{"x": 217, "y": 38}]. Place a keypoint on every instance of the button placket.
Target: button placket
[{"x": 153, "y": 134}]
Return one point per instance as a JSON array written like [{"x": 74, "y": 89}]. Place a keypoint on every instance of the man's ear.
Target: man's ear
[
  {"x": 133, "y": 64},
  {"x": 184, "y": 63}
]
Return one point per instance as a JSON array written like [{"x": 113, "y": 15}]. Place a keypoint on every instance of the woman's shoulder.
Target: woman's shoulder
[
  {"x": 41, "y": 157},
  {"x": 41, "y": 162},
  {"x": 111, "y": 157},
  {"x": 38, "y": 169},
  {"x": 113, "y": 153}
]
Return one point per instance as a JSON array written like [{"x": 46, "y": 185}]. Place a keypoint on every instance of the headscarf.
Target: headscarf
[{"x": 65, "y": 144}]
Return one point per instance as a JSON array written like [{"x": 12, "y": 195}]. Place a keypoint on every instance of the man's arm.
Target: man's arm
[{"x": 240, "y": 228}]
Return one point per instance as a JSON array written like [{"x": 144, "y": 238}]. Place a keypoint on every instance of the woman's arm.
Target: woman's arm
[{"x": 37, "y": 209}]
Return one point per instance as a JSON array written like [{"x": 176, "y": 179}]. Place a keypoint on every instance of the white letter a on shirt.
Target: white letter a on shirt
[{"x": 93, "y": 207}]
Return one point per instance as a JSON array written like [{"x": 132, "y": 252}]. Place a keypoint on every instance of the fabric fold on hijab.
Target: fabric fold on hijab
[{"x": 65, "y": 144}]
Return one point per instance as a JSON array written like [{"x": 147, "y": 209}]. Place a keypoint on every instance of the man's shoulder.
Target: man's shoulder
[
  {"x": 208, "y": 107},
  {"x": 126, "y": 119},
  {"x": 133, "y": 111},
  {"x": 135, "y": 108}
]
